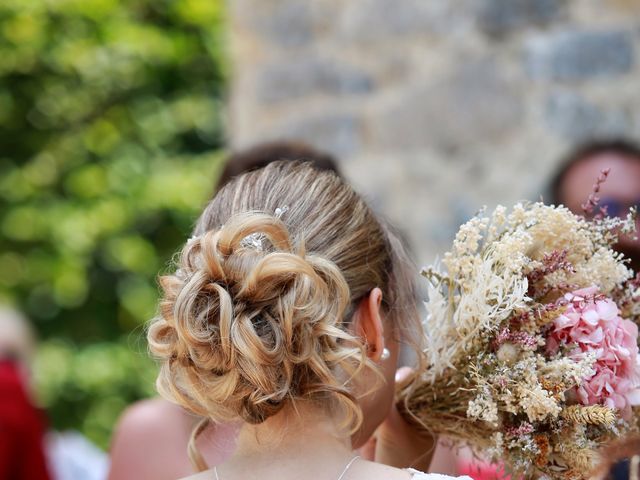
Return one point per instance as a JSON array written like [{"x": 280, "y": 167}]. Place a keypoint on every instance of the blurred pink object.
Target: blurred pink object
[
  {"x": 592, "y": 322},
  {"x": 481, "y": 470}
]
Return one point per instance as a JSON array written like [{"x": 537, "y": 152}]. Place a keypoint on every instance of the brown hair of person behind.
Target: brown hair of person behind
[
  {"x": 619, "y": 146},
  {"x": 256, "y": 316},
  {"x": 620, "y": 450},
  {"x": 263, "y": 154}
]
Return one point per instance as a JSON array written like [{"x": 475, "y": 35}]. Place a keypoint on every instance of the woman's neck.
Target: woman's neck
[
  {"x": 304, "y": 434},
  {"x": 304, "y": 428}
]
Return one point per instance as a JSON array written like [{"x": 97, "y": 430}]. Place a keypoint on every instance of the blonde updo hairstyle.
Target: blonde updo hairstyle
[{"x": 256, "y": 315}]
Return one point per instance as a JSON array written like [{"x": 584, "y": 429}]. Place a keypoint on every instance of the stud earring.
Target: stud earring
[{"x": 385, "y": 354}]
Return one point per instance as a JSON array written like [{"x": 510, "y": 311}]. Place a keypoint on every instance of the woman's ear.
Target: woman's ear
[{"x": 368, "y": 323}]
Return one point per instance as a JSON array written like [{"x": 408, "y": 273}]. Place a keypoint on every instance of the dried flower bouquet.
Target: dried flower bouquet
[{"x": 531, "y": 340}]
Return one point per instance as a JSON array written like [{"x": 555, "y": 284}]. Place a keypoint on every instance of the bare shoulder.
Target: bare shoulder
[
  {"x": 150, "y": 441},
  {"x": 152, "y": 409},
  {"x": 154, "y": 416},
  {"x": 367, "y": 470},
  {"x": 372, "y": 470}
]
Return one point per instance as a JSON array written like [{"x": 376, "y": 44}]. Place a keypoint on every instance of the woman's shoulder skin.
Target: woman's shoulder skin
[
  {"x": 150, "y": 441},
  {"x": 390, "y": 474},
  {"x": 364, "y": 471}
]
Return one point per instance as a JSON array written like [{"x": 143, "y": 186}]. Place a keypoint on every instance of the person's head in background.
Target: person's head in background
[
  {"x": 263, "y": 154},
  {"x": 620, "y": 460},
  {"x": 17, "y": 340},
  {"x": 574, "y": 181}
]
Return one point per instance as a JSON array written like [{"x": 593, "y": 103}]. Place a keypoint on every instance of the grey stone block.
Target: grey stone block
[
  {"x": 375, "y": 20},
  {"x": 475, "y": 104},
  {"x": 286, "y": 23},
  {"x": 499, "y": 17},
  {"x": 571, "y": 116},
  {"x": 298, "y": 78},
  {"x": 339, "y": 133},
  {"x": 579, "y": 55}
]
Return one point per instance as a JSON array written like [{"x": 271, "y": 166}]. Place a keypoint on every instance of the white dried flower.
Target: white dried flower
[
  {"x": 537, "y": 403},
  {"x": 483, "y": 407},
  {"x": 508, "y": 353}
]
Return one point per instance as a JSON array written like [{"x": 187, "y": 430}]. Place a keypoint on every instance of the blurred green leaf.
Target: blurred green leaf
[{"x": 111, "y": 134}]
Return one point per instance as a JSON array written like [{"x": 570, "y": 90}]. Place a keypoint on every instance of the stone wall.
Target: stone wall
[{"x": 436, "y": 107}]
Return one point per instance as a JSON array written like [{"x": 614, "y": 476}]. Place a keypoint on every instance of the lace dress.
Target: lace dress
[{"x": 417, "y": 475}]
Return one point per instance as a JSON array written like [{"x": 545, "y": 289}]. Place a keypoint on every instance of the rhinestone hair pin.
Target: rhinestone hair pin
[
  {"x": 281, "y": 211},
  {"x": 256, "y": 240}
]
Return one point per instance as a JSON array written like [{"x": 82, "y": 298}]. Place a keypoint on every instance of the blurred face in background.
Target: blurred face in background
[
  {"x": 16, "y": 340},
  {"x": 620, "y": 191}
]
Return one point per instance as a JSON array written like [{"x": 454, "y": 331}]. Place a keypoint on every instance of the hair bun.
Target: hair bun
[{"x": 249, "y": 321}]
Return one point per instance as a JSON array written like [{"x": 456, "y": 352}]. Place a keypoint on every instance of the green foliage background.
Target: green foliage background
[{"x": 110, "y": 129}]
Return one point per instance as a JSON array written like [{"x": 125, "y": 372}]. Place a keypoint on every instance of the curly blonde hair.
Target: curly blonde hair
[{"x": 256, "y": 315}]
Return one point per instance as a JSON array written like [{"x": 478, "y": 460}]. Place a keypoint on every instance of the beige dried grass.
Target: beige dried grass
[
  {"x": 442, "y": 409},
  {"x": 591, "y": 415}
]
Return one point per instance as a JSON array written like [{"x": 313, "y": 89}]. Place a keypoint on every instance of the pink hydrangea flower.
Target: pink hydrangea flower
[{"x": 592, "y": 323}]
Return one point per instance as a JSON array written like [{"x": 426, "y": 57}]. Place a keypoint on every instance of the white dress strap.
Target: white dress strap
[{"x": 417, "y": 475}]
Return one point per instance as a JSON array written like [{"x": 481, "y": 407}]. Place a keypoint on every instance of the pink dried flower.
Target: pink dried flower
[
  {"x": 525, "y": 428},
  {"x": 551, "y": 263},
  {"x": 594, "y": 199},
  {"x": 502, "y": 382},
  {"x": 592, "y": 323},
  {"x": 523, "y": 339},
  {"x": 635, "y": 281}
]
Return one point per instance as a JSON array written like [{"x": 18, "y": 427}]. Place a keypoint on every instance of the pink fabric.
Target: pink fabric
[
  {"x": 592, "y": 323},
  {"x": 479, "y": 470}
]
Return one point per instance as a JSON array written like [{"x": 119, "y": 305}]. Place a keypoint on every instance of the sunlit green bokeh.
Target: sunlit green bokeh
[{"x": 110, "y": 137}]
